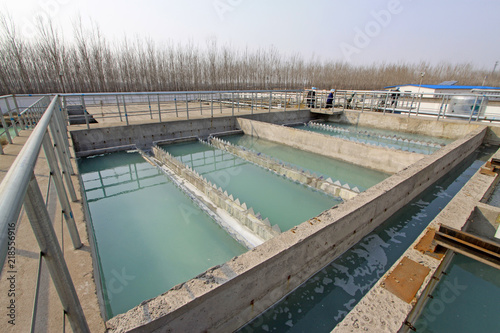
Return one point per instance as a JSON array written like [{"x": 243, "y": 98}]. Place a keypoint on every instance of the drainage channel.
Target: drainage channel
[
  {"x": 325, "y": 299},
  {"x": 148, "y": 235},
  {"x": 281, "y": 201},
  {"x": 378, "y": 137},
  {"x": 345, "y": 173}
]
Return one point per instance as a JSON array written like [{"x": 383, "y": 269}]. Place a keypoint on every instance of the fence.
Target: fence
[
  {"x": 470, "y": 106},
  {"x": 20, "y": 186},
  {"x": 89, "y": 109}
]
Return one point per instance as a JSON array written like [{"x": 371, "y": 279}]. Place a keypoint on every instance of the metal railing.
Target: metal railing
[
  {"x": 20, "y": 186},
  {"x": 19, "y": 120},
  {"x": 88, "y": 109},
  {"x": 474, "y": 107}
]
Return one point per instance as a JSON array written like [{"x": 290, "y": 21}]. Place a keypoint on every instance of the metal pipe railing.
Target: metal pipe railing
[{"x": 19, "y": 187}]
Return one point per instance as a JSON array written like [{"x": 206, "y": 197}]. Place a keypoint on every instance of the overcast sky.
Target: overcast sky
[{"x": 358, "y": 31}]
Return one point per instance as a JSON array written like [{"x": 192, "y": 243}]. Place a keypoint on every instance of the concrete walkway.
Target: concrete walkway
[{"x": 50, "y": 312}]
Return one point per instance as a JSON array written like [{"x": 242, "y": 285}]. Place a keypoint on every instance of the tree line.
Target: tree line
[{"x": 91, "y": 63}]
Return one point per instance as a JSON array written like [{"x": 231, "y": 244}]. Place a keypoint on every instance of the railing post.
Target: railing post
[
  {"x": 4, "y": 125},
  {"x": 187, "y": 106},
  {"x": 201, "y": 105},
  {"x": 125, "y": 109},
  {"x": 119, "y": 110},
  {"x": 363, "y": 106},
  {"x": 62, "y": 159},
  {"x": 480, "y": 107},
  {"x": 232, "y": 104},
  {"x": 63, "y": 131},
  {"x": 270, "y": 100},
  {"x": 85, "y": 114},
  {"x": 49, "y": 245},
  {"x": 220, "y": 102},
  {"x": 176, "y": 111},
  {"x": 12, "y": 120},
  {"x": 150, "y": 111},
  {"x": 21, "y": 118},
  {"x": 251, "y": 103},
  {"x": 61, "y": 192},
  {"x": 238, "y": 102},
  {"x": 385, "y": 103},
  {"x": 345, "y": 101},
  {"x": 419, "y": 103},
  {"x": 211, "y": 105},
  {"x": 159, "y": 109},
  {"x": 473, "y": 107},
  {"x": 371, "y": 102}
]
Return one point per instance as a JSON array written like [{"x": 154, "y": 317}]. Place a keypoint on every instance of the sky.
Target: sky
[{"x": 361, "y": 32}]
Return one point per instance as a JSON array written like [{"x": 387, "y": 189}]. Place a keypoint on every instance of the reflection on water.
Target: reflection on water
[
  {"x": 284, "y": 202},
  {"x": 149, "y": 235},
  {"x": 325, "y": 299}
]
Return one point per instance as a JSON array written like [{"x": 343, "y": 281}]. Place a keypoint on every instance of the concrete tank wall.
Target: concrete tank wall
[
  {"x": 377, "y": 158},
  {"x": 102, "y": 140},
  {"x": 449, "y": 129},
  {"x": 226, "y": 297}
]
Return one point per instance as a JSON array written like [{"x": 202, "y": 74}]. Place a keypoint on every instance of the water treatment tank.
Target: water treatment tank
[{"x": 464, "y": 105}]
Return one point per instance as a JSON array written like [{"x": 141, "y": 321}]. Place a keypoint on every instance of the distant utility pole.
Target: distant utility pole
[
  {"x": 494, "y": 67},
  {"x": 420, "y": 84}
]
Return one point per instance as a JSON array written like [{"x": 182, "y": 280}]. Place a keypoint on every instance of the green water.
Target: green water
[
  {"x": 282, "y": 201},
  {"x": 371, "y": 135},
  {"x": 326, "y": 298},
  {"x": 465, "y": 300},
  {"x": 149, "y": 235},
  {"x": 351, "y": 174}
]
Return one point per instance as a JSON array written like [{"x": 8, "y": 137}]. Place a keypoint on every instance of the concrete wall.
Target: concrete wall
[
  {"x": 226, "y": 297},
  {"x": 449, "y": 129},
  {"x": 377, "y": 158},
  {"x": 334, "y": 188},
  {"x": 220, "y": 198},
  {"x": 102, "y": 140}
]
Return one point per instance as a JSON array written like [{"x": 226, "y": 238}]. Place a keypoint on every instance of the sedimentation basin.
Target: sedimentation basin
[{"x": 228, "y": 296}]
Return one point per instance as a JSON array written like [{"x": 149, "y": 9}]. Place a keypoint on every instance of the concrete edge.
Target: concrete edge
[
  {"x": 327, "y": 186},
  {"x": 391, "y": 312},
  {"x": 372, "y": 157},
  {"x": 289, "y": 259}
]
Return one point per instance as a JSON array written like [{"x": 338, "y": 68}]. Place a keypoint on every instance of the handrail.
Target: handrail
[
  {"x": 14, "y": 185},
  {"x": 21, "y": 187}
]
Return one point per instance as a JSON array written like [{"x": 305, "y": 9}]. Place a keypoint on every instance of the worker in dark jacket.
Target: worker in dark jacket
[
  {"x": 311, "y": 98},
  {"x": 329, "y": 100}
]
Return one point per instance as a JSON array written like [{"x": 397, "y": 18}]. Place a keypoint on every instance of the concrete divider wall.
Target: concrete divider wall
[
  {"x": 444, "y": 128},
  {"x": 226, "y": 297},
  {"x": 239, "y": 211},
  {"x": 93, "y": 141},
  {"x": 377, "y": 158},
  {"x": 326, "y": 185}
]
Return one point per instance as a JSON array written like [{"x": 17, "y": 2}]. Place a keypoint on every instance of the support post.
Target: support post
[
  {"x": 49, "y": 245},
  {"x": 48, "y": 148},
  {"x": 4, "y": 125},
  {"x": 62, "y": 160},
  {"x": 125, "y": 109},
  {"x": 119, "y": 111},
  {"x": 12, "y": 120},
  {"x": 85, "y": 114},
  {"x": 150, "y": 111},
  {"x": 159, "y": 109},
  {"x": 232, "y": 104},
  {"x": 187, "y": 107},
  {"x": 176, "y": 111}
]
